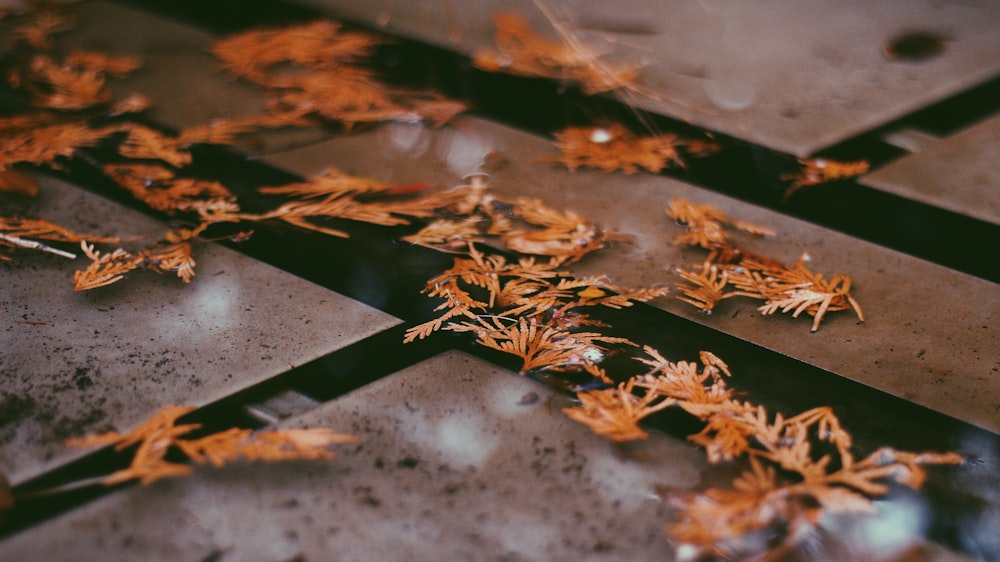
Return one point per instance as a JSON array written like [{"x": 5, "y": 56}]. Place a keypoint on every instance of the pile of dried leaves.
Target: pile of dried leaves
[
  {"x": 528, "y": 309},
  {"x": 800, "y": 467}
]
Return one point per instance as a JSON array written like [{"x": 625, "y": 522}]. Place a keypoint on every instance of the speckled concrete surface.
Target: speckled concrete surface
[
  {"x": 903, "y": 347},
  {"x": 960, "y": 173},
  {"x": 76, "y": 363},
  {"x": 793, "y": 76},
  {"x": 459, "y": 460}
]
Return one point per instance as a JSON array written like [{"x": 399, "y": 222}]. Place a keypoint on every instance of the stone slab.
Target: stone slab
[
  {"x": 930, "y": 334},
  {"x": 960, "y": 173},
  {"x": 73, "y": 363},
  {"x": 458, "y": 460},
  {"x": 792, "y": 76}
]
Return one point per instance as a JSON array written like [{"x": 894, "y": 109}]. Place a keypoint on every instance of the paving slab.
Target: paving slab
[
  {"x": 459, "y": 459},
  {"x": 187, "y": 85},
  {"x": 792, "y": 76},
  {"x": 930, "y": 334},
  {"x": 73, "y": 363},
  {"x": 960, "y": 173}
]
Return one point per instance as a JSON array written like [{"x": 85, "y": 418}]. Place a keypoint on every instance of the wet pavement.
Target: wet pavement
[{"x": 461, "y": 456}]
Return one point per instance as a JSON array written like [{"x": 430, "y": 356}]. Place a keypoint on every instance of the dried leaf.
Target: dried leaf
[
  {"x": 63, "y": 86},
  {"x": 159, "y": 188},
  {"x": 42, "y": 145},
  {"x": 317, "y": 45},
  {"x": 797, "y": 289},
  {"x": 173, "y": 254},
  {"x": 563, "y": 234},
  {"x": 706, "y": 288},
  {"x": 615, "y": 413},
  {"x": 614, "y": 148},
  {"x": 821, "y": 170},
  {"x": 104, "y": 269},
  {"x": 521, "y": 51},
  {"x": 706, "y": 224},
  {"x": 144, "y": 143},
  {"x": 160, "y": 433}
]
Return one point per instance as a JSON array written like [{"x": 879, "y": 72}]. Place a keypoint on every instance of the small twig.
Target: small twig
[{"x": 32, "y": 244}]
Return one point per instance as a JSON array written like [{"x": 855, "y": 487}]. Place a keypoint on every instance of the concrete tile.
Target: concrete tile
[
  {"x": 186, "y": 84},
  {"x": 929, "y": 334},
  {"x": 453, "y": 464},
  {"x": 960, "y": 173},
  {"x": 74, "y": 363},
  {"x": 792, "y": 76}
]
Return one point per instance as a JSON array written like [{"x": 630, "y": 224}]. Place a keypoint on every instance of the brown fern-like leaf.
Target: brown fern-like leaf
[
  {"x": 317, "y": 45},
  {"x": 614, "y": 148},
  {"x": 173, "y": 254},
  {"x": 42, "y": 145},
  {"x": 160, "y": 433},
  {"x": 104, "y": 269},
  {"x": 615, "y": 412},
  {"x": 159, "y": 188},
  {"x": 144, "y": 143},
  {"x": 277, "y": 445},
  {"x": 706, "y": 224},
  {"x": 521, "y": 51},
  {"x": 64, "y": 86}
]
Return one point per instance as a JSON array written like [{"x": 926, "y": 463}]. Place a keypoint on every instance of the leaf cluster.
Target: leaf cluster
[
  {"x": 472, "y": 213},
  {"x": 175, "y": 253},
  {"x": 160, "y": 434},
  {"x": 613, "y": 148},
  {"x": 521, "y": 51},
  {"x": 801, "y": 466},
  {"x": 731, "y": 271},
  {"x": 313, "y": 69},
  {"x": 529, "y": 309}
]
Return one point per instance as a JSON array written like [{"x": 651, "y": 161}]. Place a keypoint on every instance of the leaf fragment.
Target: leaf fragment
[{"x": 160, "y": 433}]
